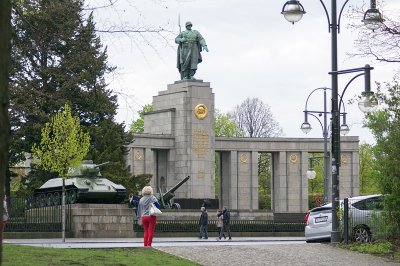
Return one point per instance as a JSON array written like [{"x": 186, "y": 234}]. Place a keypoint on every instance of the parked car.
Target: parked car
[
  {"x": 319, "y": 224},
  {"x": 361, "y": 210}
]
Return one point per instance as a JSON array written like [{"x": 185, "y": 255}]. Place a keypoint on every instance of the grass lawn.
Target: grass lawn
[{"x": 26, "y": 255}]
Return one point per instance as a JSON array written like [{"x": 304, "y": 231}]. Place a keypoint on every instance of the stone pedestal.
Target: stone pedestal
[
  {"x": 101, "y": 221},
  {"x": 185, "y": 111}
]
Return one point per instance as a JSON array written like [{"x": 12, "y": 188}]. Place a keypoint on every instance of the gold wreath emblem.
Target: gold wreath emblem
[
  {"x": 344, "y": 159},
  {"x": 293, "y": 158},
  {"x": 138, "y": 156},
  {"x": 243, "y": 158},
  {"x": 201, "y": 111}
]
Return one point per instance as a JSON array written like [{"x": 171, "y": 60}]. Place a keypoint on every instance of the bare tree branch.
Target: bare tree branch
[
  {"x": 254, "y": 118},
  {"x": 382, "y": 44}
]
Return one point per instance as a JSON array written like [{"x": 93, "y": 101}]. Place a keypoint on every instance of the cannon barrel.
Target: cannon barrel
[{"x": 174, "y": 188}]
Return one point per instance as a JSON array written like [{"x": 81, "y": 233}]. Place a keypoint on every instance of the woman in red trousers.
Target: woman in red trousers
[{"x": 143, "y": 214}]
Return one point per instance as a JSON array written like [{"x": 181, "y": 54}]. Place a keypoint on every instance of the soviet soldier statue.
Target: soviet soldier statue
[{"x": 191, "y": 43}]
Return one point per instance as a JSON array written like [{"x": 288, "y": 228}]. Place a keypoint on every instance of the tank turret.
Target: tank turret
[
  {"x": 87, "y": 168},
  {"x": 85, "y": 185}
]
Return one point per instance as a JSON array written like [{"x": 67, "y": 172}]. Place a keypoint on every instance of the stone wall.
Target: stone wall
[{"x": 101, "y": 221}]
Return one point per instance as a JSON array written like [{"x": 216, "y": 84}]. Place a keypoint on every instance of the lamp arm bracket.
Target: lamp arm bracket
[
  {"x": 340, "y": 14},
  {"x": 351, "y": 70},
  {"x": 322, "y": 88},
  {"x": 319, "y": 121},
  {"x": 327, "y": 15},
  {"x": 347, "y": 85}
]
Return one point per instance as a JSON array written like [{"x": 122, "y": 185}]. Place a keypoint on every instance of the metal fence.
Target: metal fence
[
  {"x": 235, "y": 226},
  {"x": 25, "y": 218}
]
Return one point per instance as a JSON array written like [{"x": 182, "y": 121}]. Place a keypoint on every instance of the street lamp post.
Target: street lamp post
[
  {"x": 306, "y": 128},
  {"x": 293, "y": 12}
]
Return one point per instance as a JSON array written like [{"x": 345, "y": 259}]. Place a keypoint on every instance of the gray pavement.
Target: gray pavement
[
  {"x": 238, "y": 251},
  {"x": 157, "y": 242}
]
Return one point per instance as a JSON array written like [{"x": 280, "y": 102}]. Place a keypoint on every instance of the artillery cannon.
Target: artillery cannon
[
  {"x": 86, "y": 185},
  {"x": 165, "y": 198}
]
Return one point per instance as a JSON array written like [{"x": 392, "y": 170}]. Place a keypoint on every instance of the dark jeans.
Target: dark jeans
[
  {"x": 227, "y": 228},
  {"x": 203, "y": 231},
  {"x": 221, "y": 232}
]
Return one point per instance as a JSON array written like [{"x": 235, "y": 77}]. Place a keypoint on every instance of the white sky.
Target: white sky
[{"x": 254, "y": 52}]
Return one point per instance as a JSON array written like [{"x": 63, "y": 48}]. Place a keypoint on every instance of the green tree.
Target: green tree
[
  {"x": 135, "y": 183},
  {"x": 264, "y": 181},
  {"x": 63, "y": 144},
  {"x": 108, "y": 145},
  {"x": 224, "y": 126},
  {"x": 385, "y": 126},
  {"x": 138, "y": 124},
  {"x": 368, "y": 173},
  {"x": 58, "y": 59},
  {"x": 5, "y": 43},
  {"x": 316, "y": 185}
]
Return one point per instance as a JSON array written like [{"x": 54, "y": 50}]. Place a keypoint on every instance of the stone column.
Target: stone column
[{"x": 193, "y": 104}]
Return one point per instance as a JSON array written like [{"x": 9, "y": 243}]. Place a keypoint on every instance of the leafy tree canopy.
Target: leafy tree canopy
[
  {"x": 385, "y": 126},
  {"x": 138, "y": 124},
  {"x": 224, "y": 126},
  {"x": 57, "y": 59},
  {"x": 63, "y": 144}
]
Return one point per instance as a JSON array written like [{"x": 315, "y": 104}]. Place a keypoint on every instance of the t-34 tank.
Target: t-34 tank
[{"x": 86, "y": 185}]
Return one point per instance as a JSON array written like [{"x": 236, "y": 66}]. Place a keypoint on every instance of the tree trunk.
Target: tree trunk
[{"x": 5, "y": 44}]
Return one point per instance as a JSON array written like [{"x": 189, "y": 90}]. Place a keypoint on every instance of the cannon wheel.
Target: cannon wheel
[{"x": 176, "y": 206}]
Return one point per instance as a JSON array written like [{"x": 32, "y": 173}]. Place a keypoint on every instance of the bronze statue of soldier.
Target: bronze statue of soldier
[{"x": 191, "y": 43}]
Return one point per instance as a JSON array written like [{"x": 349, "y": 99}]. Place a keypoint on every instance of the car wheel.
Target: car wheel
[{"x": 362, "y": 234}]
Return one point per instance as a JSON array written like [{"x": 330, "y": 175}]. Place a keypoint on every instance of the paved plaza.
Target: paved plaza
[{"x": 239, "y": 251}]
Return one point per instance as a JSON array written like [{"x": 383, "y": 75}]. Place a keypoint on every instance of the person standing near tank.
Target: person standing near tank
[
  {"x": 191, "y": 43},
  {"x": 143, "y": 214},
  {"x": 134, "y": 202}
]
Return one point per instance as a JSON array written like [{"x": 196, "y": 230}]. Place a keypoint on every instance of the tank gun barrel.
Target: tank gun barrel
[{"x": 98, "y": 165}]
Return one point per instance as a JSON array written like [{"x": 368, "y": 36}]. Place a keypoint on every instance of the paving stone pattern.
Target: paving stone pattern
[{"x": 276, "y": 254}]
